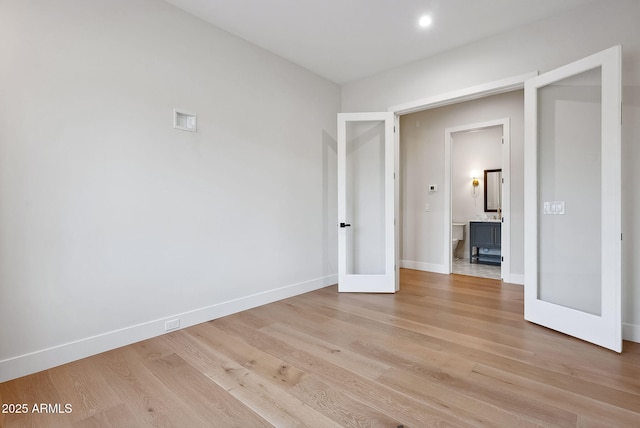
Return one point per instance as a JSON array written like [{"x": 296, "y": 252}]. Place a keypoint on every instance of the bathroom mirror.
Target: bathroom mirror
[{"x": 492, "y": 190}]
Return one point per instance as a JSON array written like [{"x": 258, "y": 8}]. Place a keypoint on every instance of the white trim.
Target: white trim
[
  {"x": 396, "y": 206},
  {"x": 516, "y": 278},
  {"x": 631, "y": 332},
  {"x": 505, "y": 266},
  {"x": 33, "y": 362},
  {"x": 466, "y": 94},
  {"x": 425, "y": 267}
]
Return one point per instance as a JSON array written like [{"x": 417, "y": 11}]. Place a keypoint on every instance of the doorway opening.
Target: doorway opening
[
  {"x": 438, "y": 229},
  {"x": 548, "y": 97},
  {"x": 479, "y": 203}
]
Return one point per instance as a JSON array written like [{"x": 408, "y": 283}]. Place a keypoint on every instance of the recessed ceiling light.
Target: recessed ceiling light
[{"x": 425, "y": 21}]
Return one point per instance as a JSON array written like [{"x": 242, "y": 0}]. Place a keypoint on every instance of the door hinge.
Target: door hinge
[
  {"x": 501, "y": 259},
  {"x": 394, "y": 129},
  {"x": 502, "y": 140}
]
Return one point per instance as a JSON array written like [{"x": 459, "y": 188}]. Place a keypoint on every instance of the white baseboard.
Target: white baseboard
[
  {"x": 23, "y": 365},
  {"x": 631, "y": 332},
  {"x": 426, "y": 267},
  {"x": 515, "y": 278}
]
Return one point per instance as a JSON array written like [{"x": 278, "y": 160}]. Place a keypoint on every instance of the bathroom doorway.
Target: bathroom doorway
[
  {"x": 477, "y": 154},
  {"x": 425, "y": 171}
]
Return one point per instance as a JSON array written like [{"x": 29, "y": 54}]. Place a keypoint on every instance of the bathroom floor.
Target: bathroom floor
[{"x": 463, "y": 267}]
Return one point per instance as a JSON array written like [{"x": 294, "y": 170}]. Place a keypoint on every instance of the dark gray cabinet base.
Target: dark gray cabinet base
[{"x": 485, "y": 239}]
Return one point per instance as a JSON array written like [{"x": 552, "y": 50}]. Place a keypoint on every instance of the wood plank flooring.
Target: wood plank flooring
[{"x": 447, "y": 350}]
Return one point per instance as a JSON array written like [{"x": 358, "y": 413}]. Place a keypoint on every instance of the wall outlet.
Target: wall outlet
[
  {"x": 171, "y": 324},
  {"x": 185, "y": 121}
]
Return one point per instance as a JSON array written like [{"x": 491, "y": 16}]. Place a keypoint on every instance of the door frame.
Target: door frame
[
  {"x": 505, "y": 266},
  {"x": 458, "y": 96}
]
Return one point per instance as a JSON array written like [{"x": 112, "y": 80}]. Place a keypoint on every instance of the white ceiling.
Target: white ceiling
[{"x": 345, "y": 40}]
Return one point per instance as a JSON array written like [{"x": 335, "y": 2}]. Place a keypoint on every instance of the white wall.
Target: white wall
[
  {"x": 111, "y": 221},
  {"x": 422, "y": 163},
  {"x": 541, "y": 46}
]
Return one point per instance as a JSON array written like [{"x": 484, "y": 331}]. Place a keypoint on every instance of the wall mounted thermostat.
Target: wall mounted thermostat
[
  {"x": 185, "y": 121},
  {"x": 433, "y": 188}
]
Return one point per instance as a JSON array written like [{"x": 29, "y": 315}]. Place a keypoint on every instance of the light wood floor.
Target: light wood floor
[{"x": 444, "y": 351}]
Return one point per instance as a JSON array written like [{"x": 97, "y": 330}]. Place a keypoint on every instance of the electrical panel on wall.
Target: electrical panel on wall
[{"x": 185, "y": 121}]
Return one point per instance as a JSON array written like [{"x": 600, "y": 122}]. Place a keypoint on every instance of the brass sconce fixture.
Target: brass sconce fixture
[{"x": 475, "y": 182}]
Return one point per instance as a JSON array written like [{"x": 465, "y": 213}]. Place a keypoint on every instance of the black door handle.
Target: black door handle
[{"x": 345, "y": 225}]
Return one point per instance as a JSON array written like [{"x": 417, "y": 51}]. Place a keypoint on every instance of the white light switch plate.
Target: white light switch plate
[{"x": 553, "y": 208}]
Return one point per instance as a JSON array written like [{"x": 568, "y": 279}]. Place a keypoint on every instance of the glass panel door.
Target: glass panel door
[
  {"x": 572, "y": 199},
  {"x": 366, "y": 202},
  {"x": 365, "y": 196},
  {"x": 569, "y": 192}
]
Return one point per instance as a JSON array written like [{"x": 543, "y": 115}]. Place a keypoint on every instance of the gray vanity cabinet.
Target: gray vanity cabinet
[{"x": 484, "y": 242}]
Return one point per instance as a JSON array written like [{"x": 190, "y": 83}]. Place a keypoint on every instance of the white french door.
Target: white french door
[
  {"x": 573, "y": 199},
  {"x": 366, "y": 203}
]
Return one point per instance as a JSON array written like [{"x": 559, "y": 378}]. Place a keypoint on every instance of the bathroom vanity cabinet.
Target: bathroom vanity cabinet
[{"x": 485, "y": 239}]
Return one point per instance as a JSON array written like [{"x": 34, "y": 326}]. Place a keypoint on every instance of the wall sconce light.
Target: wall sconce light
[{"x": 474, "y": 182}]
